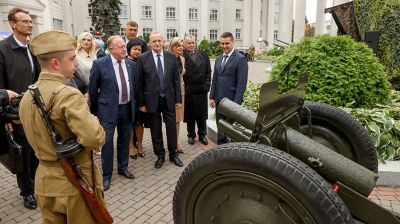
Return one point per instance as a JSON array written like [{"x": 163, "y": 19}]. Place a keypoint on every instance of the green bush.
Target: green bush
[
  {"x": 251, "y": 96},
  {"x": 383, "y": 125},
  {"x": 205, "y": 46},
  {"x": 276, "y": 51},
  {"x": 340, "y": 71},
  {"x": 383, "y": 16}
]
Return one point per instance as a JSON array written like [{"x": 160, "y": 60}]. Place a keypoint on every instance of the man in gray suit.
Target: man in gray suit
[
  {"x": 159, "y": 92},
  {"x": 229, "y": 78}
]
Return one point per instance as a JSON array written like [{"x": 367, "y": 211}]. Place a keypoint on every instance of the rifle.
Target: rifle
[{"x": 66, "y": 150}]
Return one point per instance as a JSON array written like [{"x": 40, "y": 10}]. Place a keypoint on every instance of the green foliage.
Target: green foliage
[
  {"x": 205, "y": 46},
  {"x": 251, "y": 96},
  {"x": 339, "y": 69},
  {"x": 383, "y": 16},
  {"x": 105, "y": 16},
  {"x": 216, "y": 48},
  {"x": 276, "y": 51},
  {"x": 383, "y": 125}
]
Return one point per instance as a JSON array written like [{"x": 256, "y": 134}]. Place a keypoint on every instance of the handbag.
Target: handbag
[{"x": 12, "y": 159}]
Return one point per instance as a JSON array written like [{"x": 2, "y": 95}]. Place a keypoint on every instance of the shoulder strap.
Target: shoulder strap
[{"x": 53, "y": 97}]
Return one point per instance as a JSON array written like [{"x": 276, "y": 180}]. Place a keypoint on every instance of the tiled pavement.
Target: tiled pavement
[{"x": 148, "y": 198}]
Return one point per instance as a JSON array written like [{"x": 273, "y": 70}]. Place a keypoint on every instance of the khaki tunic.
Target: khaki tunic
[{"x": 70, "y": 117}]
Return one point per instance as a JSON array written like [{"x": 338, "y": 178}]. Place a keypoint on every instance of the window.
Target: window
[
  {"x": 238, "y": 14},
  {"x": 213, "y": 15},
  {"x": 171, "y": 33},
  {"x": 238, "y": 35},
  {"x": 146, "y": 11},
  {"x": 213, "y": 35},
  {"x": 57, "y": 24},
  {"x": 193, "y": 32},
  {"x": 170, "y": 13},
  {"x": 146, "y": 32},
  {"x": 193, "y": 12},
  {"x": 124, "y": 11},
  {"x": 90, "y": 10},
  {"x": 276, "y": 17},
  {"x": 275, "y": 34},
  {"x": 121, "y": 31}
]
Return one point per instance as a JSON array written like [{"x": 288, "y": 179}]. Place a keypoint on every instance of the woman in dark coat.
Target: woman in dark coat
[{"x": 134, "y": 49}]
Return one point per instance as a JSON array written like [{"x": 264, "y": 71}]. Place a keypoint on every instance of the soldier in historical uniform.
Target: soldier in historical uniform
[{"x": 59, "y": 201}]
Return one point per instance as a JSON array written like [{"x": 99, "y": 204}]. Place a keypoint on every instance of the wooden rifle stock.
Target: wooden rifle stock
[{"x": 97, "y": 209}]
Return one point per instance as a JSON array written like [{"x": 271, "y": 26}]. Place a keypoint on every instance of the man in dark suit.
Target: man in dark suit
[
  {"x": 197, "y": 84},
  {"x": 19, "y": 68},
  {"x": 230, "y": 77},
  {"x": 112, "y": 97},
  {"x": 159, "y": 92}
]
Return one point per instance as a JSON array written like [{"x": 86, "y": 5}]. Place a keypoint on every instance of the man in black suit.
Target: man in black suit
[
  {"x": 197, "y": 84},
  {"x": 230, "y": 77},
  {"x": 112, "y": 97},
  {"x": 159, "y": 92},
  {"x": 19, "y": 68}
]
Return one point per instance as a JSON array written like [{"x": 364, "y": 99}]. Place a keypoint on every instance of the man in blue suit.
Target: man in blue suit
[
  {"x": 229, "y": 78},
  {"x": 112, "y": 96}
]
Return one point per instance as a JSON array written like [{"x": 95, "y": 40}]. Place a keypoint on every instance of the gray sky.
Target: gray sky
[{"x": 311, "y": 9}]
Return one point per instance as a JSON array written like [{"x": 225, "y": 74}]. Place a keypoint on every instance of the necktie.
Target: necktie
[
  {"x": 160, "y": 73},
  {"x": 224, "y": 61},
  {"x": 124, "y": 89}
]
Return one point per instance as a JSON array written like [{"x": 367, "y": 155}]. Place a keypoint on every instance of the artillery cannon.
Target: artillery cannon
[{"x": 292, "y": 162}]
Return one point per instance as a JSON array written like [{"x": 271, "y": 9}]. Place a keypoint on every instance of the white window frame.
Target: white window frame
[
  {"x": 193, "y": 14},
  {"x": 213, "y": 14},
  {"x": 193, "y": 32},
  {"x": 170, "y": 33},
  {"x": 238, "y": 34},
  {"x": 123, "y": 11},
  {"x": 57, "y": 24},
  {"x": 147, "y": 31},
  {"x": 213, "y": 35},
  {"x": 238, "y": 14},
  {"x": 170, "y": 13},
  {"x": 275, "y": 34},
  {"x": 147, "y": 12}
]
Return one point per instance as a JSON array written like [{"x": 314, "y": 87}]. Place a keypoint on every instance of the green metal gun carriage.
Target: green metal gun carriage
[{"x": 292, "y": 162}]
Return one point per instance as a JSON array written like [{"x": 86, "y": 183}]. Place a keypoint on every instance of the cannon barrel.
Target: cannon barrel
[{"x": 331, "y": 165}]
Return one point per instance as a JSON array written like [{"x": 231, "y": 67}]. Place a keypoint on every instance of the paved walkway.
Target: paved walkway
[{"x": 148, "y": 198}]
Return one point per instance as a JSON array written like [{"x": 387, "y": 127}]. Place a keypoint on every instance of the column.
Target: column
[
  {"x": 159, "y": 15},
  {"x": 136, "y": 11},
  {"x": 47, "y": 19},
  {"x": 247, "y": 20},
  {"x": 204, "y": 18},
  {"x": 285, "y": 20},
  {"x": 320, "y": 18},
  {"x": 334, "y": 27},
  {"x": 256, "y": 24},
  {"x": 182, "y": 18},
  {"x": 270, "y": 23},
  {"x": 299, "y": 20}
]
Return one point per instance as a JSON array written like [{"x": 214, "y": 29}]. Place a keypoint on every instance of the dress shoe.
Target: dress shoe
[
  {"x": 30, "y": 202},
  {"x": 141, "y": 154},
  {"x": 191, "y": 140},
  {"x": 176, "y": 161},
  {"x": 106, "y": 185},
  {"x": 179, "y": 151},
  {"x": 126, "y": 174},
  {"x": 134, "y": 156},
  {"x": 203, "y": 140},
  {"x": 159, "y": 163}
]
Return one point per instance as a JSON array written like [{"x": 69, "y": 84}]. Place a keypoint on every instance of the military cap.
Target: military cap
[{"x": 52, "y": 41}]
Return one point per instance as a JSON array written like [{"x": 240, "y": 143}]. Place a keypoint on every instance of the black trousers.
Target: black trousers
[
  {"x": 26, "y": 179},
  {"x": 169, "y": 118},
  {"x": 201, "y": 126}
]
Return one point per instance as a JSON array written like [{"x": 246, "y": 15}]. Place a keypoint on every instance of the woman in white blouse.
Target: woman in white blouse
[{"x": 85, "y": 52}]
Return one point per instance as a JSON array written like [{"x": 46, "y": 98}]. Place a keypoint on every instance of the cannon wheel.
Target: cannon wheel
[
  {"x": 251, "y": 183},
  {"x": 340, "y": 132}
]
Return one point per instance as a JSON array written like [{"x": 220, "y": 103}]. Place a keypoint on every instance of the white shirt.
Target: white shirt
[
  {"x": 27, "y": 49},
  {"x": 229, "y": 55},
  {"x": 155, "y": 57},
  {"x": 117, "y": 75}
]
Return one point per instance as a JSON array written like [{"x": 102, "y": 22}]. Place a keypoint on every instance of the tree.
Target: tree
[
  {"x": 105, "y": 17},
  {"x": 205, "y": 46}
]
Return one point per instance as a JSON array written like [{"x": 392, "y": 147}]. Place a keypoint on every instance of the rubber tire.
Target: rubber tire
[
  {"x": 327, "y": 119},
  {"x": 283, "y": 169}
]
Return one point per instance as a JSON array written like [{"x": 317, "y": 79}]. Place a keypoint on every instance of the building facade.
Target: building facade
[{"x": 250, "y": 21}]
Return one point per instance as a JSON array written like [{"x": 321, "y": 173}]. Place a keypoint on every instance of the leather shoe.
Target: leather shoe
[
  {"x": 176, "y": 161},
  {"x": 191, "y": 140},
  {"x": 203, "y": 140},
  {"x": 159, "y": 163},
  {"x": 106, "y": 185},
  {"x": 126, "y": 174},
  {"x": 30, "y": 202}
]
